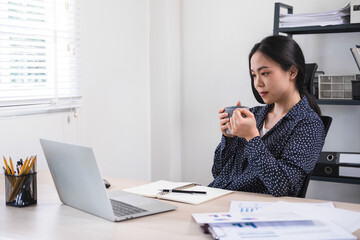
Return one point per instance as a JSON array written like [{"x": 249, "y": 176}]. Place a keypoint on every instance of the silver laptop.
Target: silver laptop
[{"x": 79, "y": 184}]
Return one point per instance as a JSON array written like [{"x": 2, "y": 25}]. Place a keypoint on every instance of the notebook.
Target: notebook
[
  {"x": 154, "y": 190},
  {"x": 79, "y": 184}
]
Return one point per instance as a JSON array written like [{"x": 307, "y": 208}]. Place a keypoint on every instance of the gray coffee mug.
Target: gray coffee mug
[{"x": 230, "y": 111}]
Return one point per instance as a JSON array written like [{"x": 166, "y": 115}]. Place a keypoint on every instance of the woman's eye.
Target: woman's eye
[
  {"x": 264, "y": 73},
  {"x": 253, "y": 76}
]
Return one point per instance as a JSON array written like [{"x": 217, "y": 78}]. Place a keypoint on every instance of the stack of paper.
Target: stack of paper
[
  {"x": 341, "y": 16},
  {"x": 281, "y": 220}
]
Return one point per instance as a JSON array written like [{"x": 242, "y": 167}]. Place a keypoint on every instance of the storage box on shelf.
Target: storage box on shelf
[{"x": 335, "y": 86}]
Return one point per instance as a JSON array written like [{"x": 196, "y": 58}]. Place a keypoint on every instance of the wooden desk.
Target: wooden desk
[{"x": 50, "y": 219}]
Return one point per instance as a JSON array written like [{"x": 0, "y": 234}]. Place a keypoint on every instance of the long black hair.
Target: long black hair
[{"x": 286, "y": 52}]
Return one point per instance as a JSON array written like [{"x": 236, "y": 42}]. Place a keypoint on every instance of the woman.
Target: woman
[{"x": 273, "y": 147}]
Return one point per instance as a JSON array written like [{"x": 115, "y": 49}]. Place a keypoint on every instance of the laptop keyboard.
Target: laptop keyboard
[{"x": 122, "y": 209}]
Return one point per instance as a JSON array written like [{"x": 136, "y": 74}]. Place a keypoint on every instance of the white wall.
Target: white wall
[
  {"x": 115, "y": 81},
  {"x": 20, "y": 135},
  {"x": 165, "y": 89}
]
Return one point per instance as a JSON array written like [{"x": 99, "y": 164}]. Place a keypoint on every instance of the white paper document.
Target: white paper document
[
  {"x": 294, "y": 230},
  {"x": 281, "y": 220},
  {"x": 228, "y": 217},
  {"x": 348, "y": 220},
  {"x": 247, "y": 206}
]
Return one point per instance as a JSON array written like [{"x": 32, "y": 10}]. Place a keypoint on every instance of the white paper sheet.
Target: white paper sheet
[
  {"x": 348, "y": 220},
  {"x": 281, "y": 220},
  {"x": 294, "y": 230},
  {"x": 246, "y": 206},
  {"x": 227, "y": 217}
]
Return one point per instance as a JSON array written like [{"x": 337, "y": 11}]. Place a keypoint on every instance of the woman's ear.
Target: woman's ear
[{"x": 293, "y": 72}]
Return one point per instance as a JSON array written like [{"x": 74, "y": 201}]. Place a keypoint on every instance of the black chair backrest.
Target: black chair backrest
[
  {"x": 327, "y": 122},
  {"x": 310, "y": 70}
]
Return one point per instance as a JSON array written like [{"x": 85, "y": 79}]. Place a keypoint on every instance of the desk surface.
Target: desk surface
[{"x": 50, "y": 219}]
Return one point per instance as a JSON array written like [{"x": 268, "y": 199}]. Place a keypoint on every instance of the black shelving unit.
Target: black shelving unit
[
  {"x": 338, "y": 102},
  {"x": 343, "y": 28},
  {"x": 336, "y": 179}
]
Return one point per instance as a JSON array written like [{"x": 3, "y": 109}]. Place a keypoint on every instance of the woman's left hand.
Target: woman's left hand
[{"x": 243, "y": 124}]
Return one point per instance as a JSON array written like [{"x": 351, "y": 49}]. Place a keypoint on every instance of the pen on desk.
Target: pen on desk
[
  {"x": 23, "y": 166},
  {"x": 182, "y": 191}
]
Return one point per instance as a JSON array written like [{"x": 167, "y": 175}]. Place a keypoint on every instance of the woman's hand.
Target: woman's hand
[
  {"x": 224, "y": 119},
  {"x": 243, "y": 124}
]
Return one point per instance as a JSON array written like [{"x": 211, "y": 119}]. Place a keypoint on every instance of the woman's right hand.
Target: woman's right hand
[{"x": 224, "y": 119}]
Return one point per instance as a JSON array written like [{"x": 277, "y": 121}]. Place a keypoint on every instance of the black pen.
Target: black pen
[{"x": 182, "y": 191}]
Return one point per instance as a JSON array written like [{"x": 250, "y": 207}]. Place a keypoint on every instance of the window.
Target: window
[{"x": 39, "y": 42}]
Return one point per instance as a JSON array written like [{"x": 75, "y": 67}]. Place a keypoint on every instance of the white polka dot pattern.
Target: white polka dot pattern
[{"x": 278, "y": 162}]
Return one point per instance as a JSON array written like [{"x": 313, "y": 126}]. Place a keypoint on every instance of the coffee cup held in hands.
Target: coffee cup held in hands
[{"x": 230, "y": 111}]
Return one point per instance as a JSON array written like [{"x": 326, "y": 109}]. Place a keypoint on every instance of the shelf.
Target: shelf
[
  {"x": 338, "y": 102},
  {"x": 343, "y": 28},
  {"x": 336, "y": 179}
]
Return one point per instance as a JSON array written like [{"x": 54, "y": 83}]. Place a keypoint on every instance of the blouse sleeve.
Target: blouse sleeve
[
  {"x": 285, "y": 175},
  {"x": 223, "y": 152}
]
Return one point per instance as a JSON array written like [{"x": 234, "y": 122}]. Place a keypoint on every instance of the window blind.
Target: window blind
[{"x": 39, "y": 43}]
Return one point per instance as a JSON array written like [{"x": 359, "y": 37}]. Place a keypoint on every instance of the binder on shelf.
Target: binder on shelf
[
  {"x": 338, "y": 164},
  {"x": 356, "y": 54},
  {"x": 355, "y": 11}
]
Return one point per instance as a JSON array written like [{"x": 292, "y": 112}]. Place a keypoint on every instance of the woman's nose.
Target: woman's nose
[{"x": 258, "y": 82}]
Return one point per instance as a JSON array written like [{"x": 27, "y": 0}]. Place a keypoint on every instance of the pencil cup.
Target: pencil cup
[{"x": 20, "y": 191}]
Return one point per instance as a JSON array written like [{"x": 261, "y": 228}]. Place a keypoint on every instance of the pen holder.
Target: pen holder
[{"x": 20, "y": 191}]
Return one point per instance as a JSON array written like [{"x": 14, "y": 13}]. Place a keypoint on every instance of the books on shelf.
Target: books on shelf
[
  {"x": 336, "y": 17},
  {"x": 356, "y": 54},
  {"x": 155, "y": 190}
]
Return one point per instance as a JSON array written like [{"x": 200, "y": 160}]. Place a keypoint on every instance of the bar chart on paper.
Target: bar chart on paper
[
  {"x": 251, "y": 225},
  {"x": 247, "y": 207}
]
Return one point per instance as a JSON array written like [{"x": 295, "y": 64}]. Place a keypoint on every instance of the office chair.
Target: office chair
[
  {"x": 310, "y": 70},
  {"x": 327, "y": 122},
  {"x": 309, "y": 85}
]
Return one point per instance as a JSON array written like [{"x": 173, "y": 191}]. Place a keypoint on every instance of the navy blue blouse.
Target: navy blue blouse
[{"x": 276, "y": 163}]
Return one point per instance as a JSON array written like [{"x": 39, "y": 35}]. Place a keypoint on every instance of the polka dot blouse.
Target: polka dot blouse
[{"x": 276, "y": 163}]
